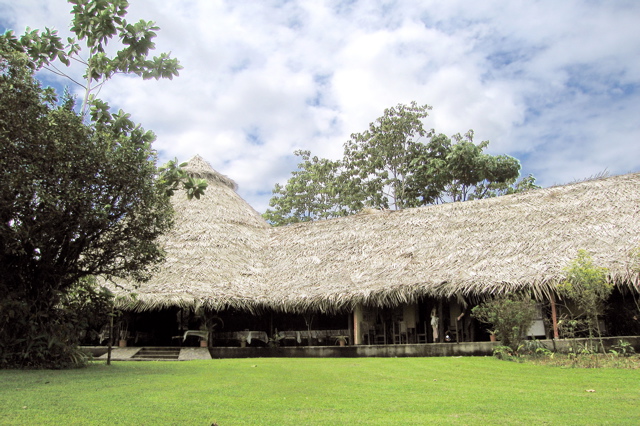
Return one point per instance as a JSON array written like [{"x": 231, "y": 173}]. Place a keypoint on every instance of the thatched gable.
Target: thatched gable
[
  {"x": 211, "y": 252},
  {"x": 222, "y": 253}
]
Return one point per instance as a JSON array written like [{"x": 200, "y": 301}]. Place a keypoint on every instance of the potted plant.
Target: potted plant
[
  {"x": 342, "y": 340},
  {"x": 274, "y": 341},
  {"x": 208, "y": 322},
  {"x": 204, "y": 342},
  {"x": 123, "y": 334}
]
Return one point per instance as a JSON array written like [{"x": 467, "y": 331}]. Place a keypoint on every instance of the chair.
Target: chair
[
  {"x": 380, "y": 335},
  {"x": 104, "y": 333},
  {"x": 454, "y": 324},
  {"x": 367, "y": 332},
  {"x": 422, "y": 337},
  {"x": 399, "y": 332}
]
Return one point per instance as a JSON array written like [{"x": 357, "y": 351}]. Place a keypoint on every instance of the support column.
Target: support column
[
  {"x": 441, "y": 329},
  {"x": 554, "y": 316},
  {"x": 357, "y": 320}
]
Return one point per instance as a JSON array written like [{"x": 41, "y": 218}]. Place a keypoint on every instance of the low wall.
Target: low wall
[
  {"x": 419, "y": 350},
  {"x": 423, "y": 350}
]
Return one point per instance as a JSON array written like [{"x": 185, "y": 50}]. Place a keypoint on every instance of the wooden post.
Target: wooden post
[
  {"x": 554, "y": 316},
  {"x": 357, "y": 319},
  {"x": 441, "y": 322}
]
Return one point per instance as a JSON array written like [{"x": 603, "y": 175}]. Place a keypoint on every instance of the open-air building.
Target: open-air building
[{"x": 379, "y": 276}]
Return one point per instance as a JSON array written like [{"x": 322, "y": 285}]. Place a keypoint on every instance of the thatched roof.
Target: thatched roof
[
  {"x": 489, "y": 246},
  {"x": 211, "y": 252},
  {"x": 223, "y": 254}
]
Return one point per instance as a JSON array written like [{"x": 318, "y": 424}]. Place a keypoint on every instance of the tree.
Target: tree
[
  {"x": 459, "y": 170},
  {"x": 379, "y": 160},
  {"x": 511, "y": 186},
  {"x": 309, "y": 193},
  {"x": 395, "y": 164},
  {"x": 75, "y": 201},
  {"x": 96, "y": 23},
  {"x": 587, "y": 285},
  {"x": 80, "y": 195}
]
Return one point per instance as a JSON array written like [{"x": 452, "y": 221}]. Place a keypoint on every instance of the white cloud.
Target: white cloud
[{"x": 554, "y": 84}]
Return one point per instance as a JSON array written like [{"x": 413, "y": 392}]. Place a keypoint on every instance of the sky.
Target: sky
[{"x": 555, "y": 84}]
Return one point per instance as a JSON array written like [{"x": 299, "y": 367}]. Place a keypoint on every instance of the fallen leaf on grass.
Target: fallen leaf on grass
[{"x": 590, "y": 390}]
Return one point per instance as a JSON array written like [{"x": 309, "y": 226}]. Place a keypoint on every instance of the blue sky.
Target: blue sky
[{"x": 554, "y": 84}]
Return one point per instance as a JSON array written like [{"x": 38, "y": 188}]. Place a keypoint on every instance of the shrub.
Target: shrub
[
  {"x": 511, "y": 316},
  {"x": 587, "y": 285}
]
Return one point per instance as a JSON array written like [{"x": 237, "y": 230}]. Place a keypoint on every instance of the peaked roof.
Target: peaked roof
[
  {"x": 211, "y": 251},
  {"x": 223, "y": 254}
]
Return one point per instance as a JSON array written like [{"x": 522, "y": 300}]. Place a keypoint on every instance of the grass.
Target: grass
[{"x": 270, "y": 391}]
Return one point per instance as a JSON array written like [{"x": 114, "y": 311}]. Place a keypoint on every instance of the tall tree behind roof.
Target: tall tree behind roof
[{"x": 394, "y": 164}]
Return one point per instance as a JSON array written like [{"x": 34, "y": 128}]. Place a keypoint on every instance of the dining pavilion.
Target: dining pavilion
[{"x": 376, "y": 278}]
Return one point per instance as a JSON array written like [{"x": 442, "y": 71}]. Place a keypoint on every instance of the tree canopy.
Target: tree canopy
[
  {"x": 95, "y": 24},
  {"x": 395, "y": 164},
  {"x": 80, "y": 192},
  {"x": 458, "y": 169},
  {"x": 308, "y": 194},
  {"x": 75, "y": 201},
  {"x": 380, "y": 159}
]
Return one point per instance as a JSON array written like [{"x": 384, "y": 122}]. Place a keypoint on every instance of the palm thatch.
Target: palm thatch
[
  {"x": 210, "y": 254},
  {"x": 222, "y": 254},
  {"x": 483, "y": 247}
]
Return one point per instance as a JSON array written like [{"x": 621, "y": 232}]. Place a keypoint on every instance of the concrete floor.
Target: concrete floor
[{"x": 126, "y": 354}]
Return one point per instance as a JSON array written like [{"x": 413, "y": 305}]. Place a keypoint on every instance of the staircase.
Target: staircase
[{"x": 157, "y": 354}]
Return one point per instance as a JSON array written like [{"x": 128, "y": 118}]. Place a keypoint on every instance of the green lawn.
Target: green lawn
[{"x": 347, "y": 391}]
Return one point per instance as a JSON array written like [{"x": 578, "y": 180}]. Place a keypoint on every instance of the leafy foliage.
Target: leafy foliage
[
  {"x": 511, "y": 316},
  {"x": 95, "y": 24},
  {"x": 396, "y": 164},
  {"x": 622, "y": 348},
  {"x": 457, "y": 169},
  {"x": 79, "y": 196},
  {"x": 75, "y": 201},
  {"x": 46, "y": 334},
  {"x": 587, "y": 285},
  {"x": 309, "y": 193},
  {"x": 379, "y": 160}
]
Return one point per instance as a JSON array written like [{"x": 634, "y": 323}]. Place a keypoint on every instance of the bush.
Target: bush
[
  {"x": 511, "y": 316},
  {"x": 49, "y": 338},
  {"x": 587, "y": 285}
]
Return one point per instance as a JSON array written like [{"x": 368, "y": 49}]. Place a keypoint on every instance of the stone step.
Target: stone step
[
  {"x": 157, "y": 354},
  {"x": 161, "y": 348}
]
